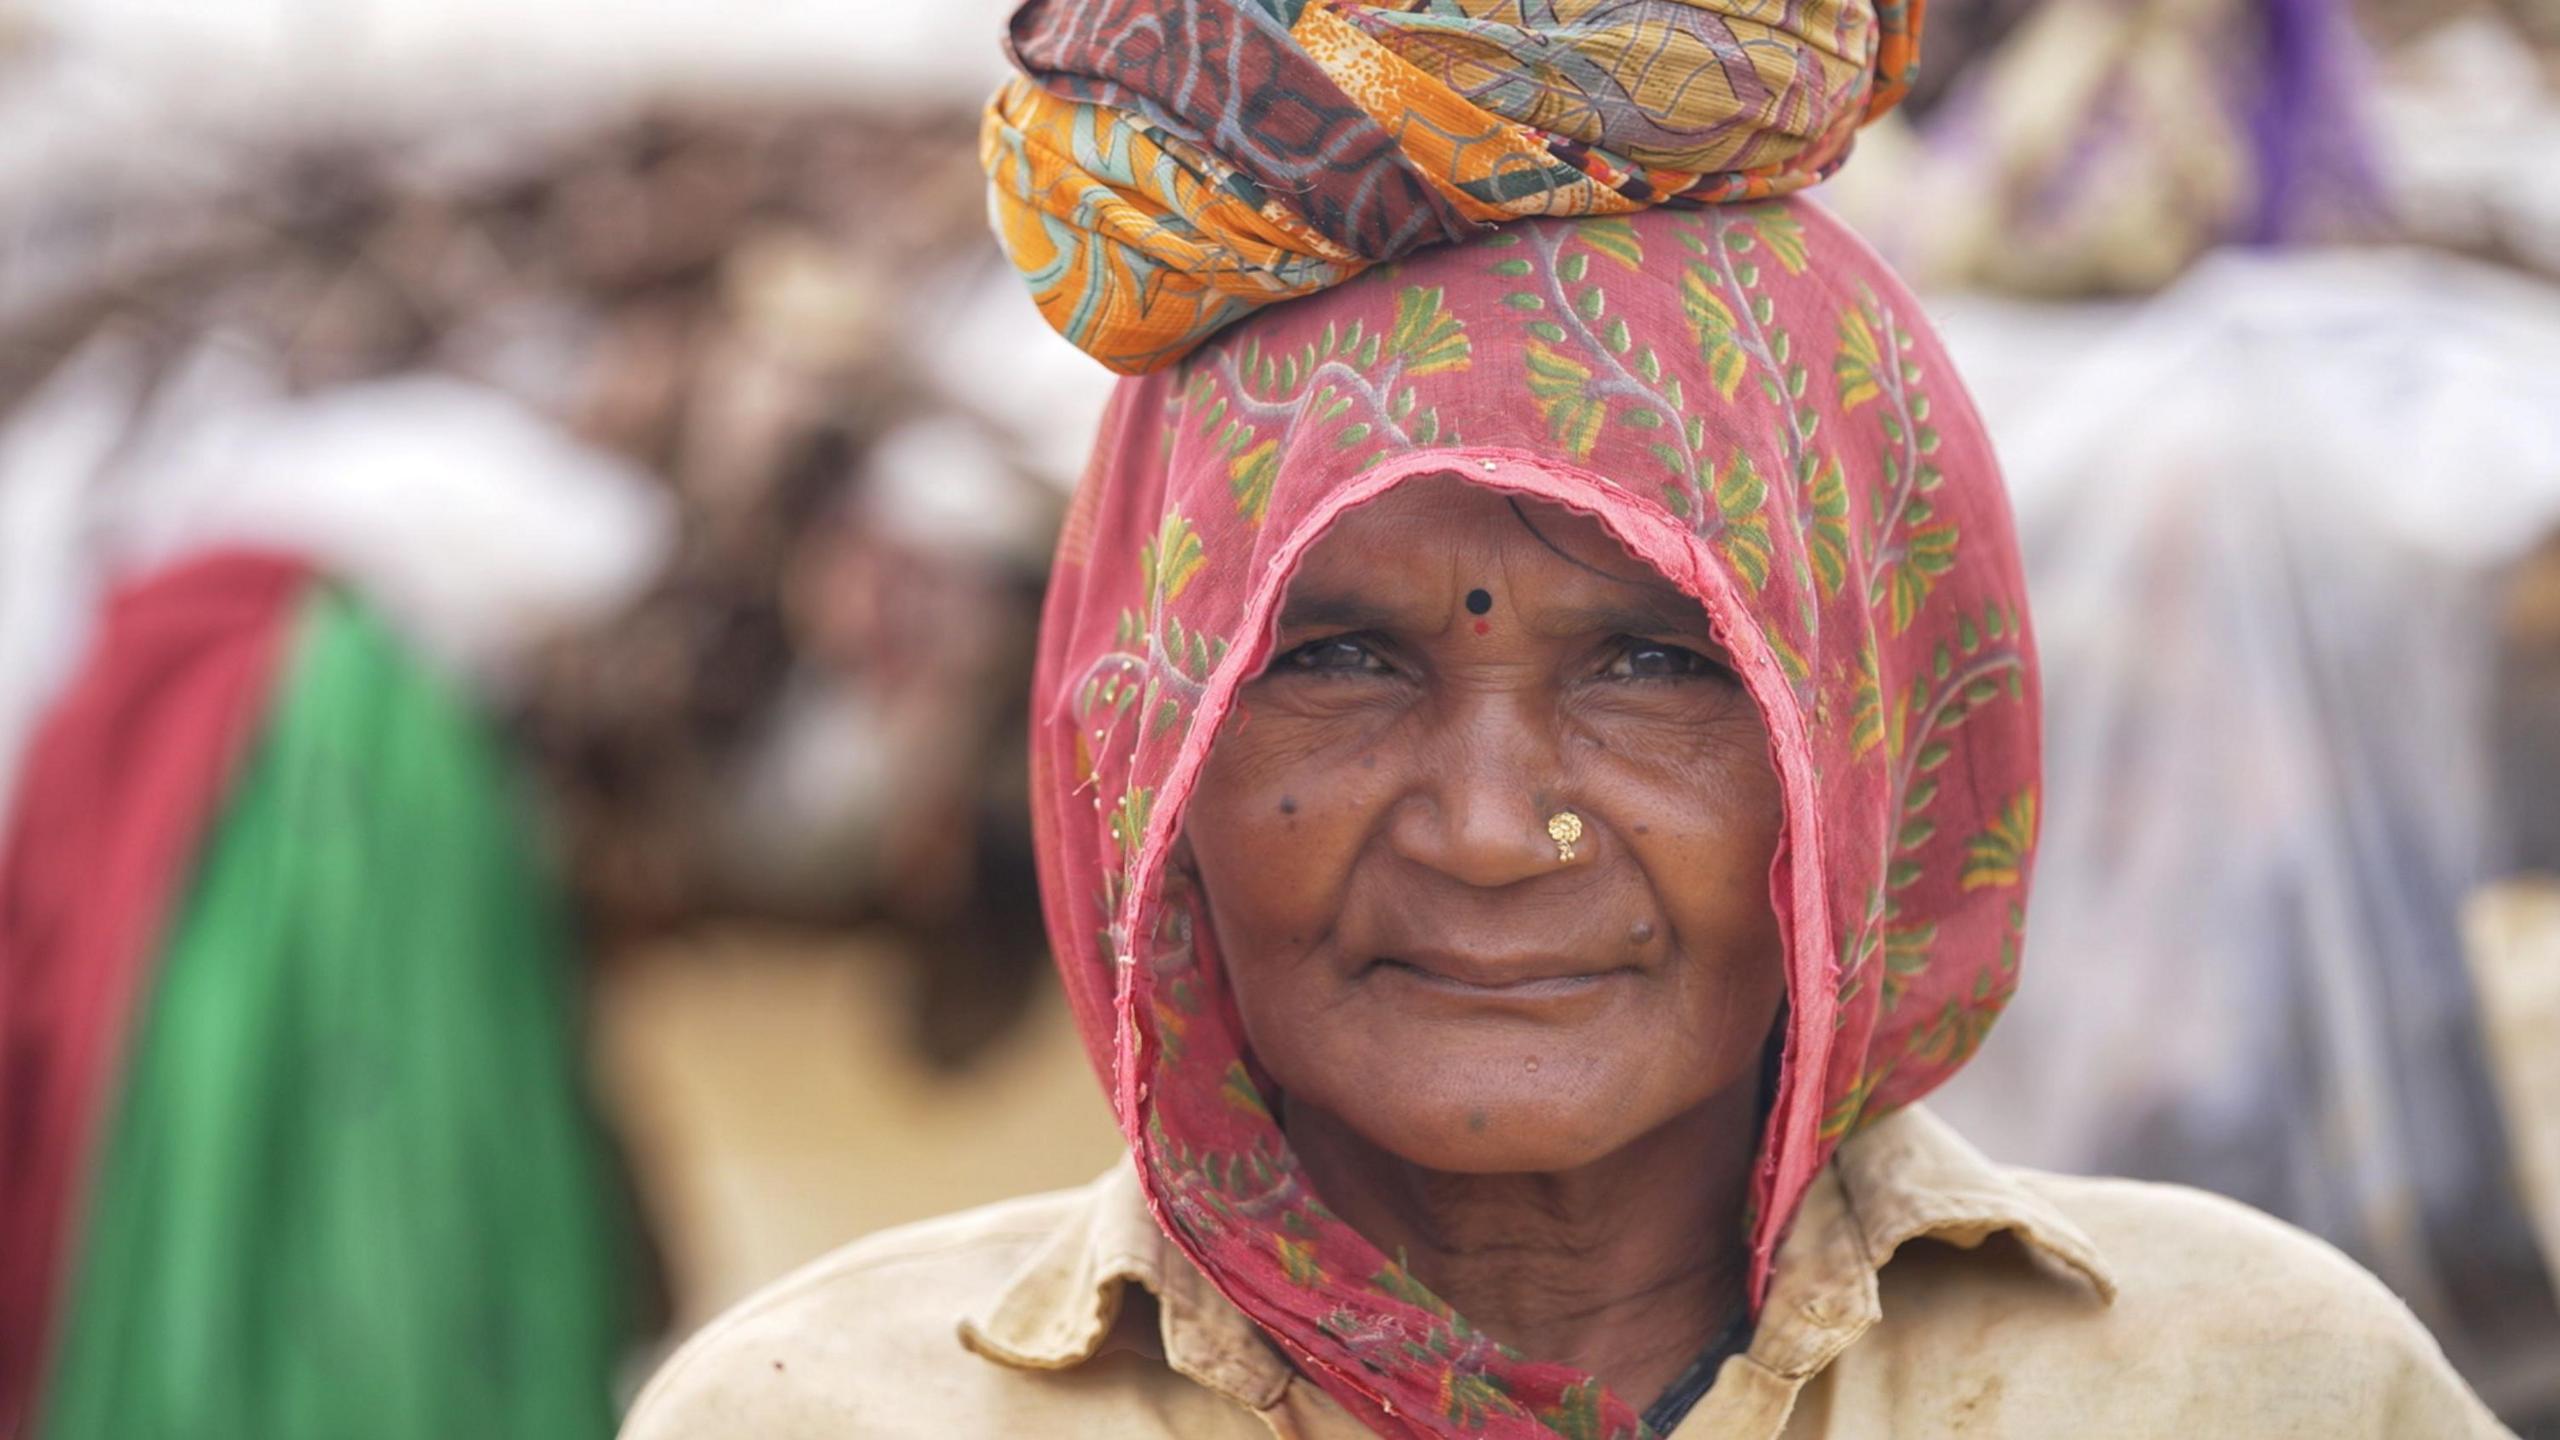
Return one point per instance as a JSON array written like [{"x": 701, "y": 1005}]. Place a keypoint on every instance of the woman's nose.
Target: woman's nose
[{"x": 1474, "y": 811}]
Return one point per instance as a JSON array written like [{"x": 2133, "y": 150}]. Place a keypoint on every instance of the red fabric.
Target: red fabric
[
  {"x": 116, "y": 795},
  {"x": 1751, "y": 403}
]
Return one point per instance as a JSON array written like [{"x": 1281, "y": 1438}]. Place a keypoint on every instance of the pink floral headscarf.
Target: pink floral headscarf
[{"x": 1750, "y": 403}]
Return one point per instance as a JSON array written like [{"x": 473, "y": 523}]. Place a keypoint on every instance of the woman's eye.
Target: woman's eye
[
  {"x": 1333, "y": 655},
  {"x": 1654, "y": 660}
]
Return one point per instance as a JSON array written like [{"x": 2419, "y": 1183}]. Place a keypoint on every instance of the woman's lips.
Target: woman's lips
[{"x": 1476, "y": 978}]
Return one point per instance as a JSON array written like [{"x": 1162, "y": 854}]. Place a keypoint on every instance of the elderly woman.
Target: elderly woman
[{"x": 1537, "y": 777}]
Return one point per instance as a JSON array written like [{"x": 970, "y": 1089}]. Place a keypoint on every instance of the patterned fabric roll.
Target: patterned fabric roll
[{"x": 1161, "y": 169}]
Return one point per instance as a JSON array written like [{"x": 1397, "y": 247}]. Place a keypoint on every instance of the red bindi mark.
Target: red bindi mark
[{"x": 1484, "y": 627}]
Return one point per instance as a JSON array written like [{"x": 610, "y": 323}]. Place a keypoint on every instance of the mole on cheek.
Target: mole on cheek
[
  {"x": 1288, "y": 805},
  {"x": 1640, "y": 932},
  {"x": 1477, "y": 1120}
]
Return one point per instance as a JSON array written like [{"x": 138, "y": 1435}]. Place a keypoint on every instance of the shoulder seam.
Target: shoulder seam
[{"x": 868, "y": 1254}]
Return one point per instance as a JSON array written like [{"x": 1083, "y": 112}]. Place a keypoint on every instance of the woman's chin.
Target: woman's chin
[{"x": 1495, "y": 1134}]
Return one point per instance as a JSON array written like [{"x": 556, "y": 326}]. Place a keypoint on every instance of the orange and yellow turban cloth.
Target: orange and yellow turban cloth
[{"x": 1161, "y": 168}]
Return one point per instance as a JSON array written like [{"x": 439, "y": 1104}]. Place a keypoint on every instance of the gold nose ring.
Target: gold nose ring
[{"x": 1564, "y": 827}]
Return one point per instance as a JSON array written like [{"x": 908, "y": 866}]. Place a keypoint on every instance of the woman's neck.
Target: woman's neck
[{"x": 1626, "y": 1267}]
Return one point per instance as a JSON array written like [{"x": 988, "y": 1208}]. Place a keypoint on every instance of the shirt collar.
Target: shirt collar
[
  {"x": 1905, "y": 1177},
  {"x": 1059, "y": 1306}
]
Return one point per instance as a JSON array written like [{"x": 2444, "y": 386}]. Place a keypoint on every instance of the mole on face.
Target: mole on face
[
  {"x": 1478, "y": 1120},
  {"x": 1288, "y": 805}
]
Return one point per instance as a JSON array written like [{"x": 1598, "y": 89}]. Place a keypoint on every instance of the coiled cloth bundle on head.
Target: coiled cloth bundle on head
[{"x": 1164, "y": 167}]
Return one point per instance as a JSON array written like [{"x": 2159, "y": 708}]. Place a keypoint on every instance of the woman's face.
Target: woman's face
[{"x": 1407, "y": 951}]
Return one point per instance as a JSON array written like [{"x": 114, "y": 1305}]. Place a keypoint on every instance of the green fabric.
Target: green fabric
[{"x": 351, "y": 1192}]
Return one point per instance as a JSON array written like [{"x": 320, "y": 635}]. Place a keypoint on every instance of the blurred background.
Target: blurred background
[{"x": 588, "y": 462}]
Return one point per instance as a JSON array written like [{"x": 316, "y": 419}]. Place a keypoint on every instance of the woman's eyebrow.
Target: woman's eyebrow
[
  {"x": 1322, "y": 611},
  {"x": 1648, "y": 612},
  {"x": 1644, "y": 611}
]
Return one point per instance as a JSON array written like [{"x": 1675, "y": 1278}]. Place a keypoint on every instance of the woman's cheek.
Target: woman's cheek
[
  {"x": 1718, "y": 766},
  {"x": 1251, "y": 821}
]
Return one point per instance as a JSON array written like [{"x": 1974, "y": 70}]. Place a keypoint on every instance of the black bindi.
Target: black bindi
[{"x": 1479, "y": 601}]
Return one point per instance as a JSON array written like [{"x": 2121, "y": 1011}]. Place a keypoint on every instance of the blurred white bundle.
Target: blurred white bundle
[
  {"x": 637, "y": 413},
  {"x": 2266, "y": 516}
]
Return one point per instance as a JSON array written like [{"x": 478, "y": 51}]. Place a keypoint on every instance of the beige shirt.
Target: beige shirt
[{"x": 1922, "y": 1292}]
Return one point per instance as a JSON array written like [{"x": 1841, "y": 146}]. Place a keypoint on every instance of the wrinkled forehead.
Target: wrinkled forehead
[{"x": 1439, "y": 543}]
